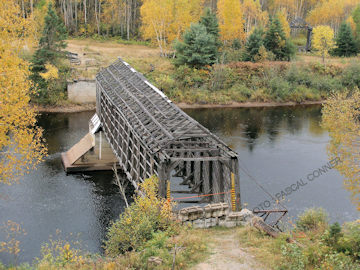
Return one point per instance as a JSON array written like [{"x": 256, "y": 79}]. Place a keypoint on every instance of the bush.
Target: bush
[
  {"x": 280, "y": 89},
  {"x": 312, "y": 219},
  {"x": 242, "y": 90},
  {"x": 147, "y": 215},
  {"x": 221, "y": 77},
  {"x": 301, "y": 76},
  {"x": 338, "y": 261},
  {"x": 332, "y": 235},
  {"x": 295, "y": 259},
  {"x": 190, "y": 77},
  {"x": 349, "y": 243},
  {"x": 351, "y": 76}
]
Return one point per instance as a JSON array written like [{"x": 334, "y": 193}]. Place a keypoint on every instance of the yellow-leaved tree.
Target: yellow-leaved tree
[
  {"x": 331, "y": 12},
  {"x": 231, "y": 21},
  {"x": 283, "y": 18},
  {"x": 341, "y": 116},
  {"x": 253, "y": 15},
  {"x": 21, "y": 147},
  {"x": 323, "y": 40},
  {"x": 163, "y": 21}
]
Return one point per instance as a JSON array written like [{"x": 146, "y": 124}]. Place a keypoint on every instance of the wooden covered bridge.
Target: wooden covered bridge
[{"x": 150, "y": 135}]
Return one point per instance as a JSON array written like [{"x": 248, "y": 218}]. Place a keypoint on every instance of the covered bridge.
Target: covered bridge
[{"x": 150, "y": 135}]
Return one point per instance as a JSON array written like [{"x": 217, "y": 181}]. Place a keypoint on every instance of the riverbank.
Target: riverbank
[
  {"x": 304, "y": 80},
  {"x": 74, "y": 108},
  {"x": 68, "y": 108}
]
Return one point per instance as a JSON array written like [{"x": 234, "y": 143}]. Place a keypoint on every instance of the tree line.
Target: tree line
[{"x": 126, "y": 17}]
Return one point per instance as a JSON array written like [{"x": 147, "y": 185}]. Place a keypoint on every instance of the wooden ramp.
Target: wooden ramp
[{"x": 84, "y": 156}]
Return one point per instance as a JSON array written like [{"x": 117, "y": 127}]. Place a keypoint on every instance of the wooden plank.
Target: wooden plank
[
  {"x": 227, "y": 184},
  {"x": 206, "y": 176},
  {"x": 215, "y": 170},
  {"x": 197, "y": 172},
  {"x": 79, "y": 149}
]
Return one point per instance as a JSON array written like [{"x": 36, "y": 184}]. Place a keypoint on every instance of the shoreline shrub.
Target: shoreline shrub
[
  {"x": 148, "y": 214},
  {"x": 312, "y": 219}
]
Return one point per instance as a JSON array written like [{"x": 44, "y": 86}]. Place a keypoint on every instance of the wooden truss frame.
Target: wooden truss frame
[{"x": 151, "y": 136}]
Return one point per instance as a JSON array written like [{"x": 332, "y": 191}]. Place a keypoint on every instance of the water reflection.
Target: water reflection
[
  {"x": 253, "y": 123},
  {"x": 277, "y": 145},
  {"x": 48, "y": 199}
]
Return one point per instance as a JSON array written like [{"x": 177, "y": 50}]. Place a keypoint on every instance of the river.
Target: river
[{"x": 280, "y": 148}]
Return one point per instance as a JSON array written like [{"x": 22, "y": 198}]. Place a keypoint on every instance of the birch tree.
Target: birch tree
[{"x": 21, "y": 146}]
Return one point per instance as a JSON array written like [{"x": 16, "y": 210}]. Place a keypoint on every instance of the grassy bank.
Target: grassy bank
[
  {"x": 147, "y": 237},
  {"x": 305, "y": 79}
]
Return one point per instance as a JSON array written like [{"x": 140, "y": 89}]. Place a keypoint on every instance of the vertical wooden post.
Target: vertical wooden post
[
  {"x": 235, "y": 170},
  {"x": 206, "y": 176},
  {"x": 164, "y": 176},
  {"x": 197, "y": 172},
  {"x": 233, "y": 197},
  {"x": 226, "y": 172},
  {"x": 100, "y": 146},
  {"x": 168, "y": 191},
  {"x": 216, "y": 180}
]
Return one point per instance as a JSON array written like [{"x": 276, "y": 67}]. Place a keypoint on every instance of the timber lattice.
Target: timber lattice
[{"x": 150, "y": 135}]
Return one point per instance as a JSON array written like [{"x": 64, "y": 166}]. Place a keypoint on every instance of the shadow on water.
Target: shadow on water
[{"x": 277, "y": 145}]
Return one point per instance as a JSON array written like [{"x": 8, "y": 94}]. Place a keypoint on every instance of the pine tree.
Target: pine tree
[
  {"x": 49, "y": 51},
  {"x": 253, "y": 44},
  {"x": 345, "y": 42},
  {"x": 210, "y": 21},
  {"x": 276, "y": 42},
  {"x": 198, "y": 49}
]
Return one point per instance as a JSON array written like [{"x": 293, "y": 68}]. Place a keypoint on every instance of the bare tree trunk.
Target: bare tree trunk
[
  {"x": 76, "y": 16},
  {"x": 85, "y": 15},
  {"x": 122, "y": 184},
  {"x": 128, "y": 17},
  {"x": 32, "y": 7},
  {"x": 97, "y": 16},
  {"x": 23, "y": 8}
]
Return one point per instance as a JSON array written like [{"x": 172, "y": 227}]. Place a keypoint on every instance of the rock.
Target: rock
[
  {"x": 199, "y": 224},
  {"x": 191, "y": 213},
  {"x": 246, "y": 216},
  {"x": 216, "y": 210},
  {"x": 154, "y": 261}
]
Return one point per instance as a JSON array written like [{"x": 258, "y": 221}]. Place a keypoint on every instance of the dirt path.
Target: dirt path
[{"x": 226, "y": 254}]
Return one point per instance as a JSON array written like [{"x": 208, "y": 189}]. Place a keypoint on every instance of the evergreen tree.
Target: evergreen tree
[
  {"x": 253, "y": 44},
  {"x": 49, "y": 51},
  {"x": 275, "y": 41},
  {"x": 345, "y": 42},
  {"x": 210, "y": 21},
  {"x": 198, "y": 49}
]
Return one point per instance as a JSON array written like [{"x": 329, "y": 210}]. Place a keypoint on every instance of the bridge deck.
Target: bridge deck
[{"x": 150, "y": 135}]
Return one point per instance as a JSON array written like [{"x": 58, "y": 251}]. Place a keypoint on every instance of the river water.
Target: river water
[{"x": 280, "y": 148}]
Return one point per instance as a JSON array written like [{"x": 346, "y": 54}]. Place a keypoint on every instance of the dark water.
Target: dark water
[{"x": 278, "y": 146}]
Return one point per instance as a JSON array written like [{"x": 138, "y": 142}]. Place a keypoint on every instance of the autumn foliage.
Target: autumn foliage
[
  {"x": 146, "y": 215},
  {"x": 21, "y": 147},
  {"x": 341, "y": 117}
]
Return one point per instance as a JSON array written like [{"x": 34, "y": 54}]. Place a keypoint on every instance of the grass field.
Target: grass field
[
  {"x": 96, "y": 54},
  {"x": 303, "y": 80}
]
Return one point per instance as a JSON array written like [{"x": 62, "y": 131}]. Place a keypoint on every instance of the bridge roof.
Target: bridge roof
[{"x": 159, "y": 123}]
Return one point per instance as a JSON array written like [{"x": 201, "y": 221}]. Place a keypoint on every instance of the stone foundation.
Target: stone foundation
[
  {"x": 213, "y": 215},
  {"x": 82, "y": 91}
]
